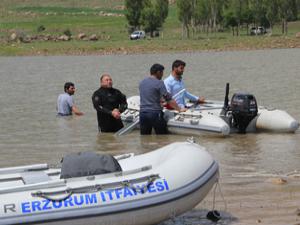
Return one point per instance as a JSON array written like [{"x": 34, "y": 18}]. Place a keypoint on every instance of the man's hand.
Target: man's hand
[
  {"x": 116, "y": 114},
  {"x": 201, "y": 100},
  {"x": 183, "y": 109},
  {"x": 79, "y": 113}
]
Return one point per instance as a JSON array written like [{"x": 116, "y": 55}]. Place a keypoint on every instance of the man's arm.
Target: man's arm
[
  {"x": 175, "y": 106},
  {"x": 190, "y": 96},
  {"x": 116, "y": 113},
  {"x": 167, "y": 96},
  {"x": 194, "y": 98},
  {"x": 123, "y": 103},
  {"x": 73, "y": 107},
  {"x": 97, "y": 102},
  {"x": 76, "y": 111},
  {"x": 169, "y": 85}
]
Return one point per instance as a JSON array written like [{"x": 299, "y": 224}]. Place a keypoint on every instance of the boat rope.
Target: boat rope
[
  {"x": 217, "y": 185},
  {"x": 60, "y": 195}
]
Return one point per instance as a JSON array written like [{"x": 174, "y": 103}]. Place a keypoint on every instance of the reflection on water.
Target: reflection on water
[{"x": 31, "y": 133}]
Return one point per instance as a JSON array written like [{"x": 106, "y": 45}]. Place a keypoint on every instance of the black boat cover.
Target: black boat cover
[{"x": 87, "y": 164}]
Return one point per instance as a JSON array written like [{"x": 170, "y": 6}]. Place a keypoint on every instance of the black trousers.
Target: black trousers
[
  {"x": 155, "y": 120},
  {"x": 110, "y": 125}
]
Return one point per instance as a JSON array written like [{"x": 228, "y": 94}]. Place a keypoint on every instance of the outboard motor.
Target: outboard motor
[{"x": 244, "y": 109}]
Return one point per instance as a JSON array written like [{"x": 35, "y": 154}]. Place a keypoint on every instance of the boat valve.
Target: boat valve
[{"x": 191, "y": 140}]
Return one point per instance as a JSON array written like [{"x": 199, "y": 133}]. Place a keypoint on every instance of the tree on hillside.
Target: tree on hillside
[
  {"x": 247, "y": 16},
  {"x": 185, "y": 12},
  {"x": 271, "y": 8},
  {"x": 133, "y": 13},
  {"x": 294, "y": 10},
  {"x": 154, "y": 14},
  {"x": 257, "y": 9},
  {"x": 162, "y": 7},
  {"x": 286, "y": 10},
  {"x": 236, "y": 8},
  {"x": 230, "y": 20},
  {"x": 211, "y": 14},
  {"x": 214, "y": 9},
  {"x": 207, "y": 13},
  {"x": 201, "y": 13}
]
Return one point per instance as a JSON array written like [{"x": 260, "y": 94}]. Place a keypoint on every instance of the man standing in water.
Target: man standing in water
[
  {"x": 152, "y": 91},
  {"x": 65, "y": 103},
  {"x": 109, "y": 104},
  {"x": 175, "y": 85}
]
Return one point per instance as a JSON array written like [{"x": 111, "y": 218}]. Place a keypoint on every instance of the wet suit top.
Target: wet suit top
[{"x": 104, "y": 101}]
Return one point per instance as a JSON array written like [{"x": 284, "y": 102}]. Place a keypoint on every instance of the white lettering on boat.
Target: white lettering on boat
[{"x": 89, "y": 199}]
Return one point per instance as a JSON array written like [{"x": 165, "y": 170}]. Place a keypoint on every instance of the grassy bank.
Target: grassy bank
[{"x": 106, "y": 20}]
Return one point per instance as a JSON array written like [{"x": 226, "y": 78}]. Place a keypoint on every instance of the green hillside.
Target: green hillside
[{"x": 43, "y": 22}]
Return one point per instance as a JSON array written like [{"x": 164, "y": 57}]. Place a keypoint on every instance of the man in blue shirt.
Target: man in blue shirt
[
  {"x": 152, "y": 92},
  {"x": 65, "y": 103},
  {"x": 175, "y": 85}
]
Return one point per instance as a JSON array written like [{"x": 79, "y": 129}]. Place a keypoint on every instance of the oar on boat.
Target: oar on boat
[{"x": 129, "y": 127}]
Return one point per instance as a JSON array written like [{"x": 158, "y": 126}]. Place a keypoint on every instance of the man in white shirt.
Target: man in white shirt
[{"x": 175, "y": 85}]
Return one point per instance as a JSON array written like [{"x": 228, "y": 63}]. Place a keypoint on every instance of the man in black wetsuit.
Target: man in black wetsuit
[{"x": 109, "y": 104}]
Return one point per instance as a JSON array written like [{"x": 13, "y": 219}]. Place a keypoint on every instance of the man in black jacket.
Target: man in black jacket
[{"x": 109, "y": 104}]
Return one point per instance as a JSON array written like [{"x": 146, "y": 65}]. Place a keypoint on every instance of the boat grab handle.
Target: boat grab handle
[
  {"x": 66, "y": 193},
  {"x": 144, "y": 188}
]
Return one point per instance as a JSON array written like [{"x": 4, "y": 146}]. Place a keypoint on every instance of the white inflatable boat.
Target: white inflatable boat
[
  {"x": 151, "y": 187},
  {"x": 189, "y": 122},
  {"x": 243, "y": 116}
]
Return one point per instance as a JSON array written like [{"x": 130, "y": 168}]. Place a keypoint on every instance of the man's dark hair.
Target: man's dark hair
[
  {"x": 68, "y": 85},
  {"x": 156, "y": 68},
  {"x": 178, "y": 63}
]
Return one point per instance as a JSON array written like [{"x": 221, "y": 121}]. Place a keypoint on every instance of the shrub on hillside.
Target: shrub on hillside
[
  {"x": 41, "y": 28},
  {"x": 67, "y": 32}
]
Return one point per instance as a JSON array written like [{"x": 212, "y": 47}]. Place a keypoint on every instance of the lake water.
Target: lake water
[{"x": 31, "y": 133}]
